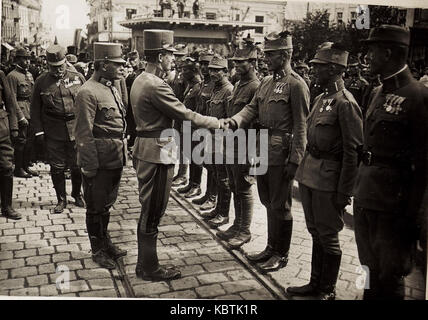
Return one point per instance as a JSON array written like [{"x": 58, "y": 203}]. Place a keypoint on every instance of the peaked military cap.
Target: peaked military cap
[
  {"x": 22, "y": 52},
  {"x": 182, "y": 50},
  {"x": 71, "y": 58},
  {"x": 389, "y": 33},
  {"x": 206, "y": 56},
  {"x": 133, "y": 55},
  {"x": 155, "y": 39},
  {"x": 278, "y": 41},
  {"x": 218, "y": 62},
  {"x": 328, "y": 52},
  {"x": 55, "y": 55},
  {"x": 108, "y": 51}
]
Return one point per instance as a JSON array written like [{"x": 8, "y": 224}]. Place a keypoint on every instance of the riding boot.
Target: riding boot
[
  {"x": 19, "y": 171},
  {"x": 6, "y": 190},
  {"x": 58, "y": 180},
  {"x": 268, "y": 251},
  {"x": 111, "y": 249},
  {"x": 329, "y": 274},
  {"x": 316, "y": 268},
  {"x": 282, "y": 240},
  {"x": 148, "y": 260},
  {"x": 76, "y": 184},
  {"x": 95, "y": 230},
  {"x": 246, "y": 212}
]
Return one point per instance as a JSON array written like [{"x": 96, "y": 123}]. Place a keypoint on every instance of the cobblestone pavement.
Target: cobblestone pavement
[{"x": 35, "y": 251}]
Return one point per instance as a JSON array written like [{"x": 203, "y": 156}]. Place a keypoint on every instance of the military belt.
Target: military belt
[
  {"x": 318, "y": 154},
  {"x": 150, "y": 134},
  {"x": 108, "y": 135},
  {"x": 369, "y": 159},
  {"x": 273, "y": 131},
  {"x": 61, "y": 116}
]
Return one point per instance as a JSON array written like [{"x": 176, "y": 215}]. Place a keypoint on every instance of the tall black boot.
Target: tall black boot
[
  {"x": 223, "y": 204},
  {"x": 149, "y": 268},
  {"x": 282, "y": 239},
  {"x": 268, "y": 251},
  {"x": 243, "y": 235},
  {"x": 316, "y": 268},
  {"x": 58, "y": 180},
  {"x": 329, "y": 274},
  {"x": 112, "y": 250},
  {"x": 76, "y": 185},
  {"x": 6, "y": 189},
  {"x": 94, "y": 227},
  {"x": 180, "y": 178},
  {"x": 19, "y": 171}
]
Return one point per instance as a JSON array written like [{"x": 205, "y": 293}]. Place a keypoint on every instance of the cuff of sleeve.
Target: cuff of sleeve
[
  {"x": 23, "y": 118},
  {"x": 39, "y": 133}
]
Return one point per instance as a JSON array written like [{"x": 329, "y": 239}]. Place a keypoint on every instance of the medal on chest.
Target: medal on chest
[
  {"x": 279, "y": 87},
  {"x": 326, "y": 105},
  {"x": 393, "y": 103}
]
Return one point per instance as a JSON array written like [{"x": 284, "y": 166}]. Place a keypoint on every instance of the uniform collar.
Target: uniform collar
[
  {"x": 222, "y": 83},
  {"x": 397, "y": 80},
  {"x": 282, "y": 73},
  {"x": 106, "y": 82},
  {"x": 250, "y": 78},
  {"x": 154, "y": 69},
  {"x": 334, "y": 87}
]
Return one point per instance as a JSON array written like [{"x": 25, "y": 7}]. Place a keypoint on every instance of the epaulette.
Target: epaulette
[{"x": 348, "y": 95}]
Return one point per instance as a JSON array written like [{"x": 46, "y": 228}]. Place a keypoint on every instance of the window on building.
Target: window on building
[
  {"x": 353, "y": 17},
  {"x": 237, "y": 17},
  {"x": 340, "y": 18},
  {"x": 105, "y": 23},
  {"x": 260, "y": 19},
  {"x": 130, "y": 13},
  {"x": 259, "y": 30},
  {"x": 210, "y": 16}
]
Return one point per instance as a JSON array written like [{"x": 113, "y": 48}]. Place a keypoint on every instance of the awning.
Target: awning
[{"x": 7, "y": 46}]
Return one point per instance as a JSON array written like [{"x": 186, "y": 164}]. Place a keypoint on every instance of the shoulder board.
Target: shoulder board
[{"x": 348, "y": 95}]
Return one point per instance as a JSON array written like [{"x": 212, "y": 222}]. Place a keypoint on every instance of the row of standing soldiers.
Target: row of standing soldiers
[{"x": 325, "y": 149}]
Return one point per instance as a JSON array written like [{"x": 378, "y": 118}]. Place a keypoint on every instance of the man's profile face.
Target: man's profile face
[
  {"x": 167, "y": 61},
  {"x": 57, "y": 71},
  {"x": 274, "y": 60},
  {"x": 114, "y": 70}
]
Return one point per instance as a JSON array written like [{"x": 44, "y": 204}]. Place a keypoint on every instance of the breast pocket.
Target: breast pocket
[
  {"x": 107, "y": 112},
  {"x": 390, "y": 132},
  {"x": 326, "y": 132},
  {"x": 47, "y": 99},
  {"x": 277, "y": 106},
  {"x": 24, "y": 90},
  {"x": 217, "y": 109}
]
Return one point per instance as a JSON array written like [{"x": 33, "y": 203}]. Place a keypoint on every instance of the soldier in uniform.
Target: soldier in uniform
[
  {"x": 302, "y": 70},
  {"x": 281, "y": 105},
  {"x": 8, "y": 130},
  {"x": 53, "y": 117},
  {"x": 179, "y": 87},
  {"x": 217, "y": 107},
  {"x": 239, "y": 173},
  {"x": 100, "y": 130},
  {"x": 356, "y": 84},
  {"x": 21, "y": 83},
  {"x": 155, "y": 108},
  {"x": 392, "y": 176},
  {"x": 328, "y": 169},
  {"x": 208, "y": 200}
]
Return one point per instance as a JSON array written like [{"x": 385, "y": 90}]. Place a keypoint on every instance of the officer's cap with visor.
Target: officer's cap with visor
[
  {"x": 329, "y": 52},
  {"x": 107, "y": 51},
  {"x": 158, "y": 40},
  {"x": 278, "y": 41},
  {"x": 389, "y": 34},
  {"x": 55, "y": 55}
]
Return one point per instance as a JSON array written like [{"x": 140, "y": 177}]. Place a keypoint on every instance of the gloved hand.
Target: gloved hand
[
  {"x": 290, "y": 170},
  {"x": 89, "y": 173},
  {"x": 342, "y": 200},
  {"x": 23, "y": 122},
  {"x": 14, "y": 134}
]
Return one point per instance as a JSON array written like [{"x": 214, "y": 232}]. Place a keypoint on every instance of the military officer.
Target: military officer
[
  {"x": 328, "y": 169},
  {"x": 356, "y": 84},
  {"x": 208, "y": 200},
  {"x": 100, "y": 130},
  {"x": 281, "y": 105},
  {"x": 217, "y": 107},
  {"x": 53, "y": 117},
  {"x": 155, "y": 107},
  {"x": 21, "y": 83},
  {"x": 392, "y": 176},
  {"x": 239, "y": 173},
  {"x": 8, "y": 130}
]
